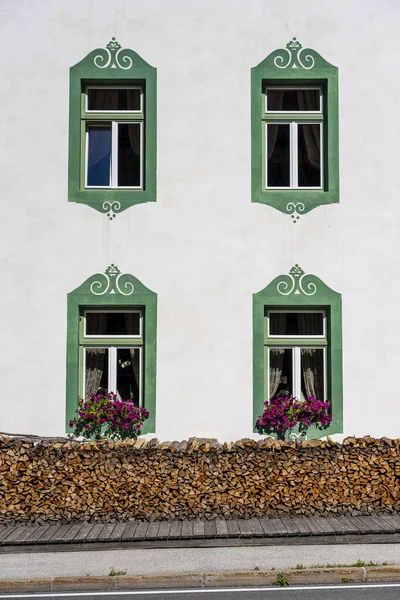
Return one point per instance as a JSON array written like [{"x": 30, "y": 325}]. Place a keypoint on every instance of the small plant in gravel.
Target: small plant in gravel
[
  {"x": 103, "y": 415},
  {"x": 114, "y": 573},
  {"x": 281, "y": 415},
  {"x": 281, "y": 580}
]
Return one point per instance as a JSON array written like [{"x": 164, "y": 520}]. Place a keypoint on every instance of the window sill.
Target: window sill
[
  {"x": 111, "y": 201},
  {"x": 295, "y": 202}
]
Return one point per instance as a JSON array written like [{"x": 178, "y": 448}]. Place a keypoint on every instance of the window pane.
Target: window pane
[
  {"x": 293, "y": 100},
  {"x": 114, "y": 99},
  {"x": 96, "y": 370},
  {"x": 294, "y": 324},
  {"x": 278, "y": 149},
  {"x": 280, "y": 372},
  {"x": 113, "y": 323},
  {"x": 309, "y": 155},
  {"x": 128, "y": 374},
  {"x": 129, "y": 153},
  {"x": 99, "y": 154},
  {"x": 312, "y": 372}
]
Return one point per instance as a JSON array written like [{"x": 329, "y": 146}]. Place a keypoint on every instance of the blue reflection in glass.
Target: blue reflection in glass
[{"x": 99, "y": 154}]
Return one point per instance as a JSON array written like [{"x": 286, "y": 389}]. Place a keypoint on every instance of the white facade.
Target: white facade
[{"x": 203, "y": 247}]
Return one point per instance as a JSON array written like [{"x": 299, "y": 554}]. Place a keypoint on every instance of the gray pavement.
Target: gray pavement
[{"x": 141, "y": 561}]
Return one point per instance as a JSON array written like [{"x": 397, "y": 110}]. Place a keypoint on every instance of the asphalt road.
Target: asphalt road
[{"x": 342, "y": 592}]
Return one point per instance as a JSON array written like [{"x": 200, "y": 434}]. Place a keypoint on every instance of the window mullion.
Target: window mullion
[
  {"x": 294, "y": 179},
  {"x": 297, "y": 373},
  {"x": 114, "y": 154},
  {"x": 140, "y": 376},
  {"x": 86, "y": 155},
  {"x": 112, "y": 370}
]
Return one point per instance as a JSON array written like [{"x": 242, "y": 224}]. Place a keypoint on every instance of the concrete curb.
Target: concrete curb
[{"x": 314, "y": 575}]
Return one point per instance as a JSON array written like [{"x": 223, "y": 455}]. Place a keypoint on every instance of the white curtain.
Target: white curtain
[
  {"x": 312, "y": 359},
  {"x": 95, "y": 356}
]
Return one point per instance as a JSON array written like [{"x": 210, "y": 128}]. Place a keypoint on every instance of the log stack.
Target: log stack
[{"x": 64, "y": 480}]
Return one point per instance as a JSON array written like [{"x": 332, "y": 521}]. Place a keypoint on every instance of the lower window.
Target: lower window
[
  {"x": 296, "y": 354},
  {"x": 111, "y": 349},
  {"x": 297, "y": 344}
]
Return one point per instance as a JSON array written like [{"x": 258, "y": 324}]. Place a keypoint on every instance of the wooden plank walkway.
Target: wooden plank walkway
[{"x": 288, "y": 527}]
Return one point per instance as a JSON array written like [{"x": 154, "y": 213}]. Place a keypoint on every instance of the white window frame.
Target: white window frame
[
  {"x": 298, "y": 343},
  {"x": 283, "y": 311},
  {"x": 113, "y": 87},
  {"x": 112, "y": 367},
  {"x": 92, "y": 336},
  {"x": 296, "y": 367},
  {"x": 293, "y": 158},
  {"x": 295, "y": 87},
  {"x": 114, "y": 156},
  {"x": 298, "y": 117}
]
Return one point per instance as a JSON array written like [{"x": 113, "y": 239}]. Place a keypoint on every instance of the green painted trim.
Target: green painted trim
[
  {"x": 112, "y": 65},
  {"x": 303, "y": 66},
  {"x": 112, "y": 290},
  {"x": 295, "y": 290}
]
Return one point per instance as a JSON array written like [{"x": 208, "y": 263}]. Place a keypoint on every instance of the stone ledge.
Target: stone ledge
[{"x": 317, "y": 575}]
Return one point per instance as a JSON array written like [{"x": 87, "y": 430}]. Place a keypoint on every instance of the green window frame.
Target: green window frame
[
  {"x": 295, "y": 67},
  {"x": 105, "y": 293},
  {"x": 298, "y": 291},
  {"x": 112, "y": 67}
]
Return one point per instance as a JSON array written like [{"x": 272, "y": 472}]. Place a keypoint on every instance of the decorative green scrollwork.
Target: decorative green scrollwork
[
  {"x": 296, "y": 282},
  {"x": 292, "y": 57},
  {"x": 111, "y": 208},
  {"x": 113, "y": 56},
  {"x": 294, "y": 209},
  {"x": 113, "y": 282}
]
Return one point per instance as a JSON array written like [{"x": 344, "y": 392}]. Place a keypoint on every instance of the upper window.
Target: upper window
[
  {"x": 294, "y": 131},
  {"x": 113, "y": 119},
  {"x": 297, "y": 343},
  {"x": 293, "y": 138},
  {"x": 112, "y": 145},
  {"x": 111, "y": 344}
]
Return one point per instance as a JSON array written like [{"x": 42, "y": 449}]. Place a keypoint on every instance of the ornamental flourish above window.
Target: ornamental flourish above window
[
  {"x": 112, "y": 131},
  {"x": 294, "y": 130}
]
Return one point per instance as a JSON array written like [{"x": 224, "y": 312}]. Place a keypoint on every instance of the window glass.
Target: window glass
[
  {"x": 99, "y": 154},
  {"x": 129, "y": 154},
  {"x": 96, "y": 370},
  {"x": 293, "y": 100},
  {"x": 312, "y": 372},
  {"x": 309, "y": 155},
  {"x": 290, "y": 377},
  {"x": 112, "y": 324},
  {"x": 296, "y": 323},
  {"x": 111, "y": 99},
  {"x": 278, "y": 148},
  {"x": 280, "y": 372},
  {"x": 128, "y": 374}
]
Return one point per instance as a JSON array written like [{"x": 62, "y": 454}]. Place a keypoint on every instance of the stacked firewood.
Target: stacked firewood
[{"x": 44, "y": 480}]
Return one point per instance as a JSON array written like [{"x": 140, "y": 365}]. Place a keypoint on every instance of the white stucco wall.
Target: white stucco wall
[{"x": 203, "y": 247}]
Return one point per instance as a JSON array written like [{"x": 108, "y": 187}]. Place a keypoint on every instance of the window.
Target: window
[
  {"x": 294, "y": 129},
  {"x": 296, "y": 353},
  {"x": 297, "y": 343},
  {"x": 111, "y": 351},
  {"x": 111, "y": 345},
  {"x": 113, "y": 121},
  {"x": 293, "y": 141},
  {"x": 112, "y": 141}
]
